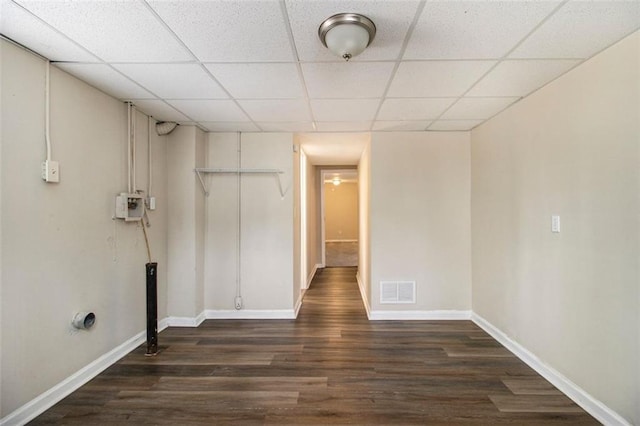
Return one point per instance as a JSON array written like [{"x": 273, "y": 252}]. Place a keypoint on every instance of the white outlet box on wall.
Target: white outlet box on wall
[{"x": 50, "y": 171}]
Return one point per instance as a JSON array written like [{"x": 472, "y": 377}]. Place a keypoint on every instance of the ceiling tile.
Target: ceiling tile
[
  {"x": 286, "y": 127},
  {"x": 392, "y": 20},
  {"x": 174, "y": 81},
  {"x": 210, "y": 110},
  {"x": 159, "y": 110},
  {"x": 414, "y": 109},
  {"x": 112, "y": 30},
  {"x": 276, "y": 110},
  {"x": 106, "y": 79},
  {"x": 343, "y": 126},
  {"x": 454, "y": 44},
  {"x": 436, "y": 78},
  {"x": 400, "y": 125},
  {"x": 477, "y": 108},
  {"x": 474, "y": 29},
  {"x": 259, "y": 81},
  {"x": 216, "y": 126},
  {"x": 24, "y": 28},
  {"x": 580, "y": 29},
  {"x": 454, "y": 124},
  {"x": 347, "y": 79},
  {"x": 344, "y": 109},
  {"x": 229, "y": 31},
  {"x": 521, "y": 77}
]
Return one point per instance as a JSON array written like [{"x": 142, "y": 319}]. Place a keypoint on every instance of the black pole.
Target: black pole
[{"x": 152, "y": 308}]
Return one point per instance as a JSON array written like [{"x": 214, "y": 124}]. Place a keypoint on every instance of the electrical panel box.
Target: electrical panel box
[{"x": 129, "y": 207}]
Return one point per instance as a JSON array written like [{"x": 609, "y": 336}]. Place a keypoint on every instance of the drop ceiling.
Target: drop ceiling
[{"x": 242, "y": 65}]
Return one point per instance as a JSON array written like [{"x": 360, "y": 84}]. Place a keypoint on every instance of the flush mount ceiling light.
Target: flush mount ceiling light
[{"x": 347, "y": 34}]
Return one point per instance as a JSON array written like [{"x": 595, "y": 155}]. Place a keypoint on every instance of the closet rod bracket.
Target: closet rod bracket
[{"x": 200, "y": 170}]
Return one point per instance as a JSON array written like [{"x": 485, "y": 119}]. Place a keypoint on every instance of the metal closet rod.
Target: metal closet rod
[{"x": 200, "y": 170}]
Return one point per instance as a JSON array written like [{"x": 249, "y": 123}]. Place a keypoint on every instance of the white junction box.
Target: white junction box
[
  {"x": 50, "y": 171},
  {"x": 129, "y": 207}
]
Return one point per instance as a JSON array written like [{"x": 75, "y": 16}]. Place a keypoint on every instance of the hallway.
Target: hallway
[{"x": 331, "y": 365}]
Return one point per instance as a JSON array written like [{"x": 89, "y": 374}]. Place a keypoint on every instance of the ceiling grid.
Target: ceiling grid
[{"x": 258, "y": 65}]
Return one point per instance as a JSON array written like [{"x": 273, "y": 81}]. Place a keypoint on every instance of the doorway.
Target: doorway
[
  {"x": 339, "y": 206},
  {"x": 323, "y": 155}
]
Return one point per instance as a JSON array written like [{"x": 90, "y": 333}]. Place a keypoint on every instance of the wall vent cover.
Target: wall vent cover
[{"x": 397, "y": 292}]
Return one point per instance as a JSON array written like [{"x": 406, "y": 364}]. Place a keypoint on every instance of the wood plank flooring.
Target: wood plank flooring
[{"x": 330, "y": 366}]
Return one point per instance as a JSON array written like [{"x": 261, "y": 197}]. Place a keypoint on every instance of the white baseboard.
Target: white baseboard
[
  {"x": 232, "y": 314},
  {"x": 419, "y": 315},
  {"x": 591, "y": 405},
  {"x": 365, "y": 299},
  {"x": 186, "y": 321},
  {"x": 298, "y": 305},
  {"x": 162, "y": 324},
  {"x": 251, "y": 314},
  {"x": 296, "y": 308},
  {"x": 312, "y": 274},
  {"x": 49, "y": 398}
]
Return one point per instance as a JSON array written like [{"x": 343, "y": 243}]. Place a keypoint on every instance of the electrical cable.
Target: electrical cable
[{"x": 144, "y": 231}]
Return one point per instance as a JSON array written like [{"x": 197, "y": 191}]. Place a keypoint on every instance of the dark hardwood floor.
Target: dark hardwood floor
[{"x": 331, "y": 365}]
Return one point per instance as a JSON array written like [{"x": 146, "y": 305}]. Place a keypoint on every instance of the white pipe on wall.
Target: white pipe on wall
[
  {"x": 47, "y": 110},
  {"x": 238, "y": 301},
  {"x": 129, "y": 147},
  {"x": 133, "y": 148},
  {"x": 84, "y": 320},
  {"x": 149, "y": 158}
]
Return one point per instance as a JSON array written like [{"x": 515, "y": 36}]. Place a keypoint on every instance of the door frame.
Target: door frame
[{"x": 323, "y": 174}]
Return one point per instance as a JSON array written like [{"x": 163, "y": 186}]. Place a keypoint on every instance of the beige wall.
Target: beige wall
[
  {"x": 341, "y": 211},
  {"x": 299, "y": 267},
  {"x": 314, "y": 252},
  {"x": 187, "y": 150},
  {"x": 364, "y": 228},
  {"x": 221, "y": 252},
  {"x": 571, "y": 298},
  {"x": 266, "y": 230},
  {"x": 200, "y": 218},
  {"x": 61, "y": 250},
  {"x": 419, "y": 217}
]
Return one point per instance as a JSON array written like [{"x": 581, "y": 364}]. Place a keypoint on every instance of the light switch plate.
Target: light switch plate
[{"x": 555, "y": 223}]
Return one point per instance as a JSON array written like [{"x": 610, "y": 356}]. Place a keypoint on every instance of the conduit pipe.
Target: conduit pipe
[
  {"x": 47, "y": 110},
  {"x": 238, "y": 299},
  {"x": 149, "y": 158},
  {"x": 128, "y": 147},
  {"x": 133, "y": 148}
]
